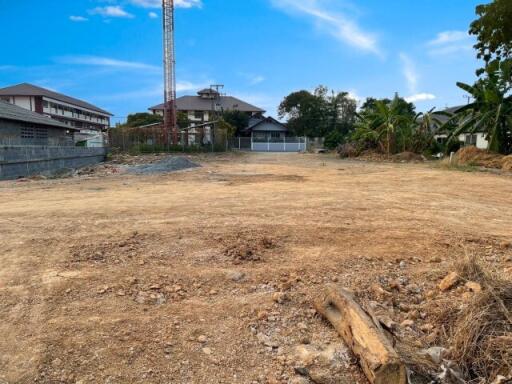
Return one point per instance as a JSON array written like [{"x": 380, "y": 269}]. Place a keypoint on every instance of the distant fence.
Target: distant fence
[
  {"x": 149, "y": 140},
  {"x": 269, "y": 144},
  {"x": 27, "y": 160}
]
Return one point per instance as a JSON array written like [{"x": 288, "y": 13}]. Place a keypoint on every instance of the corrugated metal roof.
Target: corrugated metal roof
[
  {"x": 196, "y": 103},
  {"x": 26, "y": 89},
  {"x": 13, "y": 112}
]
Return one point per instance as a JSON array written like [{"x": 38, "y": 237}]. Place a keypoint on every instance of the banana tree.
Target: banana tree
[{"x": 491, "y": 110}]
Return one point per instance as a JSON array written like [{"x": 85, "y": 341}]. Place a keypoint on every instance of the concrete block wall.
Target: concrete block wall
[{"x": 21, "y": 161}]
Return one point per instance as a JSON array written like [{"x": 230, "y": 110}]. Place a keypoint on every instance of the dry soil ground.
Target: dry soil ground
[{"x": 207, "y": 275}]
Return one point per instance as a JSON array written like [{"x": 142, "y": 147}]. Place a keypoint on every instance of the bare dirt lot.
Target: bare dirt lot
[{"x": 207, "y": 275}]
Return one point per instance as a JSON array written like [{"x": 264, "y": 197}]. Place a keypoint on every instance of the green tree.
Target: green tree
[
  {"x": 305, "y": 112},
  {"x": 237, "y": 119},
  {"x": 140, "y": 119},
  {"x": 322, "y": 113},
  {"x": 493, "y": 30}
]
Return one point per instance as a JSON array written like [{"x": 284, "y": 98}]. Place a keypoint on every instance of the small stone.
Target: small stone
[
  {"x": 121, "y": 293},
  {"x": 279, "y": 297},
  {"x": 207, "y": 351},
  {"x": 436, "y": 259},
  {"x": 262, "y": 315},
  {"x": 474, "y": 287},
  {"x": 506, "y": 245},
  {"x": 202, "y": 339},
  {"x": 435, "y": 354},
  {"x": 302, "y": 326},
  {"x": 403, "y": 264},
  {"x": 449, "y": 281},
  {"x": 407, "y": 323},
  {"x": 236, "y": 276}
]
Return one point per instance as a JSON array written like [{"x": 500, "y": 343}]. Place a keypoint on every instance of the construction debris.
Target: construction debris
[{"x": 380, "y": 362}]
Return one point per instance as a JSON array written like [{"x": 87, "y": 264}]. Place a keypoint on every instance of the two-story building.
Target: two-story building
[
  {"x": 205, "y": 108},
  {"x": 89, "y": 120}
]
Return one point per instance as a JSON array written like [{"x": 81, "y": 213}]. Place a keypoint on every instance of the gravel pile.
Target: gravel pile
[{"x": 169, "y": 164}]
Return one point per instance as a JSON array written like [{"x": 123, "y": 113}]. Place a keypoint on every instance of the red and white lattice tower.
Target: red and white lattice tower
[{"x": 170, "y": 121}]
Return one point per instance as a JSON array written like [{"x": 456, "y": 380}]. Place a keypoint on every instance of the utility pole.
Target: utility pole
[{"x": 170, "y": 114}]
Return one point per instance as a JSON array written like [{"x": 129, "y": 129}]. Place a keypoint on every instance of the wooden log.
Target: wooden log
[{"x": 380, "y": 362}]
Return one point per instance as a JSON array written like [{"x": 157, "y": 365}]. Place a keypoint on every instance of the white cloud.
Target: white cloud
[
  {"x": 450, "y": 42},
  {"x": 106, "y": 62},
  {"x": 409, "y": 72},
  {"x": 252, "y": 79},
  {"x": 153, "y": 92},
  {"x": 420, "y": 97},
  {"x": 448, "y": 37},
  {"x": 111, "y": 11},
  {"x": 153, "y": 15},
  {"x": 78, "y": 19},
  {"x": 177, "y": 3},
  {"x": 336, "y": 24}
]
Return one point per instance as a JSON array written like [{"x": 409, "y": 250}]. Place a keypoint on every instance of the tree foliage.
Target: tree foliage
[
  {"x": 493, "y": 30},
  {"x": 141, "y": 119},
  {"x": 322, "y": 113},
  {"x": 491, "y": 109},
  {"x": 392, "y": 125},
  {"x": 490, "y": 112},
  {"x": 237, "y": 119}
]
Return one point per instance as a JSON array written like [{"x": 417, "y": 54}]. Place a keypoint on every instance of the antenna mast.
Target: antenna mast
[{"x": 170, "y": 118}]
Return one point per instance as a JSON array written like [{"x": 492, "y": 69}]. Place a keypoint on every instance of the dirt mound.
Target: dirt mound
[
  {"x": 169, "y": 164},
  {"x": 109, "y": 251},
  {"x": 248, "y": 247},
  {"x": 408, "y": 156},
  {"x": 473, "y": 156}
]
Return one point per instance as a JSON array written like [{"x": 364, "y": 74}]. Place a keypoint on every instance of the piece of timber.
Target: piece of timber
[{"x": 380, "y": 362}]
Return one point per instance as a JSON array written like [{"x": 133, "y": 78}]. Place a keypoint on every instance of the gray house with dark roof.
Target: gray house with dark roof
[
  {"x": 19, "y": 126},
  {"x": 199, "y": 108}
]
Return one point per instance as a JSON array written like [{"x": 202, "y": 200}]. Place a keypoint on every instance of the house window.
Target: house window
[
  {"x": 45, "y": 104},
  {"x": 6, "y": 99},
  {"x": 471, "y": 139},
  {"x": 275, "y": 135},
  {"x": 41, "y": 133},
  {"x": 198, "y": 114},
  {"x": 27, "y": 132}
]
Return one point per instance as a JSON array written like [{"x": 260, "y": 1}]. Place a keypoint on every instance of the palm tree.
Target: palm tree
[{"x": 491, "y": 110}]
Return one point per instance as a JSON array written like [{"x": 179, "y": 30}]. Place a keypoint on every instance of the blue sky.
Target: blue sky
[{"x": 109, "y": 52}]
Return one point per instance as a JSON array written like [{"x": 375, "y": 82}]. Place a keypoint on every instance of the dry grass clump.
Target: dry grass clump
[
  {"x": 507, "y": 163},
  {"x": 473, "y": 156},
  {"x": 481, "y": 331}
]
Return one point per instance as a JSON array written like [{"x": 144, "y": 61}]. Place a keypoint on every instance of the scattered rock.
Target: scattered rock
[
  {"x": 473, "y": 287},
  {"x": 407, "y": 323},
  {"x": 266, "y": 341},
  {"x": 506, "y": 245},
  {"x": 235, "y": 276},
  {"x": 207, "y": 351},
  {"x": 435, "y": 354},
  {"x": 449, "y": 281},
  {"x": 280, "y": 297},
  {"x": 202, "y": 339}
]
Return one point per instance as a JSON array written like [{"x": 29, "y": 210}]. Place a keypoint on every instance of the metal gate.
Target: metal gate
[{"x": 286, "y": 144}]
